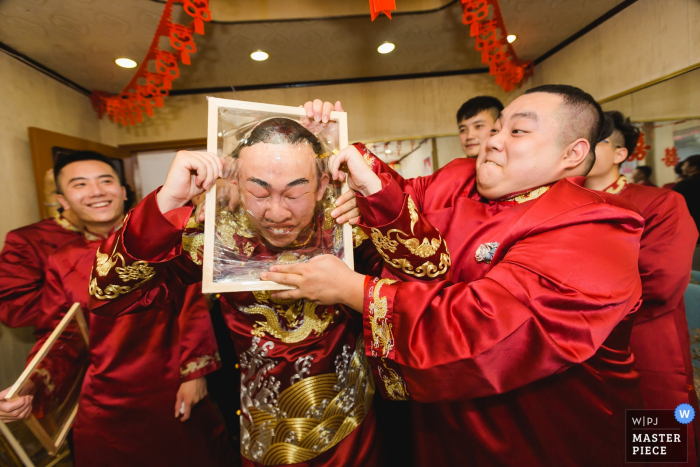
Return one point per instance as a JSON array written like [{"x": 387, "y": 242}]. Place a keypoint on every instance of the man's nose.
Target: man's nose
[
  {"x": 277, "y": 212},
  {"x": 96, "y": 189}
]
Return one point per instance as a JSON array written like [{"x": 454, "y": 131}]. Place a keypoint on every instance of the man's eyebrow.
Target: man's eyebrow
[
  {"x": 75, "y": 179},
  {"x": 530, "y": 115},
  {"x": 257, "y": 181},
  {"x": 299, "y": 181}
]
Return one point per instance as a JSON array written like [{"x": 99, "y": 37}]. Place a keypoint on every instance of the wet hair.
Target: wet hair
[
  {"x": 478, "y": 104},
  {"x": 629, "y": 132},
  {"x": 645, "y": 169},
  {"x": 281, "y": 130},
  {"x": 79, "y": 156},
  {"x": 586, "y": 115}
]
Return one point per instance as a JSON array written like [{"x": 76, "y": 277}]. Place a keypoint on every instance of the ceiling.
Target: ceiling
[{"x": 79, "y": 39}]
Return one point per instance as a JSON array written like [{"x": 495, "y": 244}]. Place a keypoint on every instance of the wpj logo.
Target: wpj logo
[{"x": 658, "y": 435}]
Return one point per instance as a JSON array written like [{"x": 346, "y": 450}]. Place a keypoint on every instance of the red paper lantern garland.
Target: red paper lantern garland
[
  {"x": 377, "y": 7},
  {"x": 147, "y": 89},
  {"x": 491, "y": 41}
]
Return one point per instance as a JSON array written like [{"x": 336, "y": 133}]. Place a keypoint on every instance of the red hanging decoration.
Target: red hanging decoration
[
  {"x": 147, "y": 88},
  {"x": 671, "y": 158},
  {"x": 376, "y": 7},
  {"x": 640, "y": 151},
  {"x": 491, "y": 41}
]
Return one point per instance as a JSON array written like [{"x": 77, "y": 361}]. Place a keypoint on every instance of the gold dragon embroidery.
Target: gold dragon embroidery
[
  {"x": 138, "y": 271},
  {"x": 394, "y": 384},
  {"x": 292, "y": 311},
  {"x": 382, "y": 335}
]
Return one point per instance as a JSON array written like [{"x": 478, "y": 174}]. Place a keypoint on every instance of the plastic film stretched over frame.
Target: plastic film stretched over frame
[{"x": 273, "y": 206}]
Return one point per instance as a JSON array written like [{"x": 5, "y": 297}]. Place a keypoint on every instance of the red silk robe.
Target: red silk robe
[
  {"x": 22, "y": 264},
  {"x": 306, "y": 391},
  {"x": 660, "y": 339},
  {"x": 137, "y": 363},
  {"x": 522, "y": 357}
]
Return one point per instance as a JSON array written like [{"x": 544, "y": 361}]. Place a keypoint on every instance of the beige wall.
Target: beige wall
[
  {"x": 377, "y": 111},
  {"x": 29, "y": 98},
  {"x": 646, "y": 41}
]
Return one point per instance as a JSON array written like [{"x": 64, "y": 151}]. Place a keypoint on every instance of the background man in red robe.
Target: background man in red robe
[
  {"x": 522, "y": 358},
  {"x": 306, "y": 390},
  {"x": 475, "y": 119},
  {"x": 22, "y": 264},
  {"x": 146, "y": 373},
  {"x": 660, "y": 339}
]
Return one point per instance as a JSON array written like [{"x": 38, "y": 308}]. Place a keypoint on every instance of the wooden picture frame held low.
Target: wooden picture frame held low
[
  {"x": 50, "y": 440},
  {"x": 208, "y": 284}
]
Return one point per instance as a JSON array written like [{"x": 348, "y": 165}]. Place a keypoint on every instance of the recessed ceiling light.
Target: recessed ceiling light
[
  {"x": 125, "y": 63},
  {"x": 388, "y": 151},
  {"x": 511, "y": 38},
  {"x": 385, "y": 48},
  {"x": 259, "y": 55}
]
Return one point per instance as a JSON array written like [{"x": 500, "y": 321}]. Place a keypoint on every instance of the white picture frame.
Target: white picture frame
[{"x": 214, "y": 104}]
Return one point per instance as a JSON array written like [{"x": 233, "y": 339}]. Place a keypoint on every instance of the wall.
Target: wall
[
  {"x": 377, "y": 111},
  {"x": 29, "y": 98},
  {"x": 648, "y": 40}
]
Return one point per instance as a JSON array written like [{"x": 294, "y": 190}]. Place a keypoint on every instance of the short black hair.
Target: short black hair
[
  {"x": 78, "y": 156},
  {"x": 580, "y": 100},
  {"x": 68, "y": 158},
  {"x": 679, "y": 168},
  {"x": 693, "y": 161},
  {"x": 645, "y": 169},
  {"x": 478, "y": 104},
  {"x": 630, "y": 133}
]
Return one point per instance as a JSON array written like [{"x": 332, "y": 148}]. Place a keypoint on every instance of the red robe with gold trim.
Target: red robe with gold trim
[
  {"x": 660, "y": 339},
  {"x": 522, "y": 357},
  {"x": 306, "y": 390},
  {"x": 22, "y": 264},
  {"x": 137, "y": 363}
]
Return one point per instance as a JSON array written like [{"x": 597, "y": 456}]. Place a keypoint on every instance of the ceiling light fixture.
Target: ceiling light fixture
[
  {"x": 385, "y": 48},
  {"x": 388, "y": 151},
  {"x": 511, "y": 38},
  {"x": 259, "y": 55},
  {"x": 125, "y": 63}
]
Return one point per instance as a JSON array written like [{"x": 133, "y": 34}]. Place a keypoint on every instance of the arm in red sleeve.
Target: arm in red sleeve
[
  {"x": 199, "y": 354},
  {"x": 21, "y": 280},
  {"x": 139, "y": 266},
  {"x": 410, "y": 246},
  {"x": 666, "y": 254},
  {"x": 549, "y": 302}
]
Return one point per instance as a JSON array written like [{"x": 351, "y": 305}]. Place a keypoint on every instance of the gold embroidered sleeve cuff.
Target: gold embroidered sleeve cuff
[
  {"x": 408, "y": 243},
  {"x": 200, "y": 366},
  {"x": 379, "y": 338}
]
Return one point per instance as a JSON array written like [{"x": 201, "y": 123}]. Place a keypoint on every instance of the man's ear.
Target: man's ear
[
  {"x": 64, "y": 203},
  {"x": 124, "y": 197},
  {"x": 575, "y": 153},
  {"x": 620, "y": 156},
  {"x": 322, "y": 184}
]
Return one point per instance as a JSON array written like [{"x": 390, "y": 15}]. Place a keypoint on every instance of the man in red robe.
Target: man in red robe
[
  {"x": 520, "y": 357},
  {"x": 143, "y": 400},
  {"x": 306, "y": 390},
  {"x": 660, "y": 339},
  {"x": 22, "y": 264}
]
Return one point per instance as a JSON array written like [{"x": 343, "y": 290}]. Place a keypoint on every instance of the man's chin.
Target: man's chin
[{"x": 280, "y": 241}]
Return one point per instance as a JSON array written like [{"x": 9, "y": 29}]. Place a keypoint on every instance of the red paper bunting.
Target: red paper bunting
[
  {"x": 496, "y": 52},
  {"x": 376, "y": 7},
  {"x": 640, "y": 151},
  {"x": 148, "y": 87},
  {"x": 671, "y": 158}
]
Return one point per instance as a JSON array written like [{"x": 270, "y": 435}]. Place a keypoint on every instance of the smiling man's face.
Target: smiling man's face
[
  {"x": 279, "y": 187},
  {"x": 473, "y": 132},
  {"x": 529, "y": 147},
  {"x": 92, "y": 191}
]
